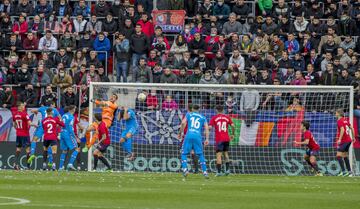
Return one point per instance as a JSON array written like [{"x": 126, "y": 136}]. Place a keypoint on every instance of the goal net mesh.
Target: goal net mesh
[{"x": 267, "y": 123}]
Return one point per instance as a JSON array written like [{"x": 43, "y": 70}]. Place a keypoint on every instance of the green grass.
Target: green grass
[{"x": 169, "y": 191}]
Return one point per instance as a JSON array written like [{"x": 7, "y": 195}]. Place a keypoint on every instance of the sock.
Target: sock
[
  {"x": 45, "y": 155},
  {"x": 78, "y": 159},
  {"x": 227, "y": 166},
  {"x": 27, "y": 157},
  {"x": 50, "y": 155},
  {"x": 202, "y": 162},
  {"x": 96, "y": 159},
  {"x": 314, "y": 165},
  {"x": 53, "y": 157},
  {"x": 308, "y": 162},
  {"x": 183, "y": 162},
  {"x": 347, "y": 164},
  {"x": 218, "y": 167},
  {"x": 73, "y": 157},
  {"x": 341, "y": 162},
  {"x": 196, "y": 161},
  {"x": 62, "y": 160},
  {"x": 105, "y": 161},
  {"x": 17, "y": 154},
  {"x": 32, "y": 148}
]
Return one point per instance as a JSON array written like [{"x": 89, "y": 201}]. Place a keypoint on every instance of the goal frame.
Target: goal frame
[{"x": 268, "y": 88}]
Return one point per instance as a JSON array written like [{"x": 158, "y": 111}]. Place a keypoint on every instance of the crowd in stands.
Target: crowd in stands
[{"x": 52, "y": 49}]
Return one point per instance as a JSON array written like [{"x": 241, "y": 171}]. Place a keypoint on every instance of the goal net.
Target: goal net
[{"x": 267, "y": 123}]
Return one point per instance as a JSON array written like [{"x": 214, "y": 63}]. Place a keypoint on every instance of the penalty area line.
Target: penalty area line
[
  {"x": 18, "y": 201},
  {"x": 72, "y": 206}
]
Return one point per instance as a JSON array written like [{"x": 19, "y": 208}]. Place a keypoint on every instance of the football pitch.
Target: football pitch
[{"x": 119, "y": 190}]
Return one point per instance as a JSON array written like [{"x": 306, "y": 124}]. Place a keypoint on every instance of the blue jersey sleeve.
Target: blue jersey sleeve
[
  {"x": 69, "y": 124},
  {"x": 56, "y": 112}
]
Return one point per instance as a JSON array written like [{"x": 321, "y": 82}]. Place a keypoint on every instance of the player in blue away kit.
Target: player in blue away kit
[
  {"x": 39, "y": 132},
  {"x": 131, "y": 126},
  {"x": 68, "y": 139},
  {"x": 193, "y": 138}
]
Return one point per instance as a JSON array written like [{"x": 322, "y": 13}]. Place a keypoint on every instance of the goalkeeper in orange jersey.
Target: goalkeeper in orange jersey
[{"x": 108, "y": 110}]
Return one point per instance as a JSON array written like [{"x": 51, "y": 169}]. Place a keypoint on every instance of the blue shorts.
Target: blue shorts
[
  {"x": 22, "y": 141},
  {"x": 126, "y": 131},
  {"x": 67, "y": 142},
  {"x": 310, "y": 152},
  {"x": 191, "y": 143},
  {"x": 39, "y": 132},
  {"x": 49, "y": 143},
  {"x": 344, "y": 147}
]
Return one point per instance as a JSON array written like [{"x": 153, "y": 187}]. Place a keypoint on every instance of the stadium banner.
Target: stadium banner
[
  {"x": 169, "y": 20},
  {"x": 7, "y": 157},
  {"x": 250, "y": 160},
  {"x": 269, "y": 129}
]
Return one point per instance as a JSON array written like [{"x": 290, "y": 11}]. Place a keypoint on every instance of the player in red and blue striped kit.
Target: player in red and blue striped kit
[
  {"x": 346, "y": 137},
  {"x": 313, "y": 147}
]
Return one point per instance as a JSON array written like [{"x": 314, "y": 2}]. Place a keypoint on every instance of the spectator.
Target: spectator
[
  {"x": 86, "y": 43},
  {"x": 157, "y": 72},
  {"x": 281, "y": 10},
  {"x": 65, "y": 25},
  {"x": 93, "y": 59},
  {"x": 162, "y": 4},
  {"x": 314, "y": 60},
  {"x": 13, "y": 44},
  {"x": 254, "y": 60},
  {"x": 168, "y": 76},
  {"x": 186, "y": 61},
  {"x": 102, "y": 74},
  {"x": 284, "y": 27},
  {"x": 128, "y": 28},
  {"x": 330, "y": 45},
  {"x": 48, "y": 42},
  {"x": 326, "y": 61},
  {"x": 146, "y": 26},
  {"x": 169, "y": 104},
  {"x": 121, "y": 49},
  {"x": 298, "y": 63},
  {"x": 315, "y": 29},
  {"x": 298, "y": 9},
  {"x": 197, "y": 44},
  {"x": 142, "y": 73},
  {"x": 102, "y": 46},
  {"x": 7, "y": 8},
  {"x": 20, "y": 27},
  {"x": 101, "y": 8},
  {"x": 337, "y": 65},
  {"x": 344, "y": 7},
  {"x": 79, "y": 75},
  {"x": 260, "y": 45},
  {"x": 347, "y": 26},
  {"x": 29, "y": 96},
  {"x": 300, "y": 26},
  {"x": 43, "y": 9},
  {"x": 62, "y": 80},
  {"x": 118, "y": 10},
  {"x": 196, "y": 76},
  {"x": 311, "y": 77},
  {"x": 52, "y": 24},
  {"x": 344, "y": 58},
  {"x": 153, "y": 59},
  {"x": 314, "y": 11},
  {"x": 219, "y": 76},
  {"x": 329, "y": 77},
  {"x": 237, "y": 61},
  {"x": 178, "y": 47},
  {"x": 191, "y": 7},
  {"x": 94, "y": 26},
  {"x": 324, "y": 39},
  {"x": 249, "y": 103},
  {"x": 23, "y": 76},
  {"x": 207, "y": 78},
  {"x": 7, "y": 100},
  {"x": 236, "y": 77},
  {"x": 77, "y": 61},
  {"x": 245, "y": 45},
  {"x": 139, "y": 44},
  {"x": 344, "y": 79},
  {"x": 232, "y": 26},
  {"x": 276, "y": 45},
  {"x": 221, "y": 11},
  {"x": 220, "y": 61},
  {"x": 265, "y": 78},
  {"x": 152, "y": 101},
  {"x": 82, "y": 9},
  {"x": 353, "y": 65},
  {"x": 49, "y": 96},
  {"x": 6, "y": 25},
  {"x": 30, "y": 60},
  {"x": 183, "y": 76},
  {"x": 36, "y": 26},
  {"x": 265, "y": 7},
  {"x": 292, "y": 45},
  {"x": 348, "y": 43},
  {"x": 31, "y": 42},
  {"x": 90, "y": 76},
  {"x": 109, "y": 26},
  {"x": 68, "y": 98},
  {"x": 67, "y": 42},
  {"x": 40, "y": 78},
  {"x": 79, "y": 25},
  {"x": 253, "y": 76},
  {"x": 24, "y": 8},
  {"x": 62, "y": 9},
  {"x": 176, "y": 5},
  {"x": 289, "y": 75},
  {"x": 241, "y": 9},
  {"x": 206, "y": 9},
  {"x": 269, "y": 27},
  {"x": 48, "y": 63},
  {"x": 299, "y": 79},
  {"x": 62, "y": 57}
]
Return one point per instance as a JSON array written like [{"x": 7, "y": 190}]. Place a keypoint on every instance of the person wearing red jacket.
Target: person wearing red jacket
[
  {"x": 146, "y": 25},
  {"x": 20, "y": 27},
  {"x": 31, "y": 42}
]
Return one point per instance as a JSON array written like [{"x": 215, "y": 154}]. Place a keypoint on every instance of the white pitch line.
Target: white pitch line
[
  {"x": 19, "y": 201},
  {"x": 72, "y": 206}
]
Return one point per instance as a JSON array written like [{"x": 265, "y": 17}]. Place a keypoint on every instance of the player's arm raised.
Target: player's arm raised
[
  {"x": 182, "y": 127},
  {"x": 207, "y": 133}
]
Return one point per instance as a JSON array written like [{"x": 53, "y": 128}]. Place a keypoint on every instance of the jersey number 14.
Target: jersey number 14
[{"x": 222, "y": 126}]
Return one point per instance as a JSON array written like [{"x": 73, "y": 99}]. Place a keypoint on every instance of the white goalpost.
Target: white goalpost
[{"x": 267, "y": 122}]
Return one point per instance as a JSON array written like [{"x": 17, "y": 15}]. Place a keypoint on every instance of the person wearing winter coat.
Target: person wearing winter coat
[
  {"x": 62, "y": 80},
  {"x": 121, "y": 49},
  {"x": 102, "y": 43},
  {"x": 237, "y": 61},
  {"x": 24, "y": 8},
  {"x": 146, "y": 26},
  {"x": 260, "y": 45},
  {"x": 20, "y": 27},
  {"x": 178, "y": 47},
  {"x": 48, "y": 42},
  {"x": 109, "y": 26}
]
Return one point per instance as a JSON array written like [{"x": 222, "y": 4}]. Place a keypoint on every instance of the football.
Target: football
[{"x": 142, "y": 97}]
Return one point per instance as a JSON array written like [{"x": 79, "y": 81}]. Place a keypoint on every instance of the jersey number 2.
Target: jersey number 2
[{"x": 50, "y": 128}]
